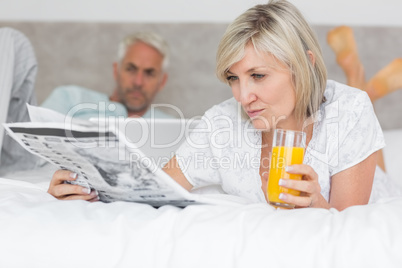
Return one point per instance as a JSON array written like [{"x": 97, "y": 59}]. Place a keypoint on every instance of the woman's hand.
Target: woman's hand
[
  {"x": 310, "y": 190},
  {"x": 64, "y": 191}
]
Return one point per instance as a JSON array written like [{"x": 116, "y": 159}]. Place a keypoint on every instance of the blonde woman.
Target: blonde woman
[{"x": 271, "y": 59}]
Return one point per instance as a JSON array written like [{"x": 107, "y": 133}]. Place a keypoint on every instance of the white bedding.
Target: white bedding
[{"x": 37, "y": 230}]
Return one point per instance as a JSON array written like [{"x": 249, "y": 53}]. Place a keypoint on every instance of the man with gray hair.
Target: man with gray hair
[{"x": 140, "y": 73}]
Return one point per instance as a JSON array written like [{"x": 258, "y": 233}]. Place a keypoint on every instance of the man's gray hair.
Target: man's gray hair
[{"x": 152, "y": 39}]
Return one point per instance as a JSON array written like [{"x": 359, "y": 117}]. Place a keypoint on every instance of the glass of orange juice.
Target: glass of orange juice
[{"x": 287, "y": 149}]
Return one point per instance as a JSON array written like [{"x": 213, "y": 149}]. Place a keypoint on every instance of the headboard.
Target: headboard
[{"x": 83, "y": 53}]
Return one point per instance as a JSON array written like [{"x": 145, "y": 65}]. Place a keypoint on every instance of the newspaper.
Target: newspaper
[{"x": 100, "y": 157}]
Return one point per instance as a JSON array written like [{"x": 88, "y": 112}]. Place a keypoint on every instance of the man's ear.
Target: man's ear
[
  {"x": 163, "y": 81},
  {"x": 311, "y": 56},
  {"x": 115, "y": 70}
]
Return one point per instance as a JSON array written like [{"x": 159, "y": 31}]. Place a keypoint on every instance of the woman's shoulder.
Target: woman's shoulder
[
  {"x": 344, "y": 107},
  {"x": 343, "y": 95}
]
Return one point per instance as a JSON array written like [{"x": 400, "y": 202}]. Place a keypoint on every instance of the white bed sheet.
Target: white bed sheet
[{"x": 37, "y": 230}]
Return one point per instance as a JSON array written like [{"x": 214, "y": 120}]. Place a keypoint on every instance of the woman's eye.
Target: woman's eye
[
  {"x": 231, "y": 78},
  {"x": 258, "y": 76}
]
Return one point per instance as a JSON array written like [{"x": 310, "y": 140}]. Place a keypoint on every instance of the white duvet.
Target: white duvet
[{"x": 37, "y": 230}]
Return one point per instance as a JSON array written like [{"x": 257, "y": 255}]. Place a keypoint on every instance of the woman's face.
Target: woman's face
[{"x": 264, "y": 88}]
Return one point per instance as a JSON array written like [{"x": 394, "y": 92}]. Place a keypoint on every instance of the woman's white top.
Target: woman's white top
[{"x": 225, "y": 149}]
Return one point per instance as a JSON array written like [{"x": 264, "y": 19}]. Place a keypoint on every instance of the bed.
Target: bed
[{"x": 37, "y": 230}]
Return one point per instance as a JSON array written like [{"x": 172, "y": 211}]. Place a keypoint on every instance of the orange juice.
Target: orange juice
[{"x": 281, "y": 157}]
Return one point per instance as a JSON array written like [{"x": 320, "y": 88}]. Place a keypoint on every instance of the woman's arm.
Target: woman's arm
[
  {"x": 349, "y": 187},
  {"x": 173, "y": 170},
  {"x": 353, "y": 186}
]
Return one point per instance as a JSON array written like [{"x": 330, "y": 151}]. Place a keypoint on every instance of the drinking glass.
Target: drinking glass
[{"x": 288, "y": 148}]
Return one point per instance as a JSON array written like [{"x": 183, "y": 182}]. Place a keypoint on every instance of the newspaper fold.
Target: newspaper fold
[{"x": 102, "y": 159}]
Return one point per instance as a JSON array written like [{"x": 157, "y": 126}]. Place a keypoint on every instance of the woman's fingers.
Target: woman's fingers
[
  {"x": 302, "y": 186},
  {"x": 299, "y": 201},
  {"x": 304, "y": 170},
  {"x": 309, "y": 183},
  {"x": 65, "y": 189},
  {"x": 95, "y": 199},
  {"x": 62, "y": 175},
  {"x": 309, "y": 187},
  {"x": 307, "y": 190},
  {"x": 93, "y": 196}
]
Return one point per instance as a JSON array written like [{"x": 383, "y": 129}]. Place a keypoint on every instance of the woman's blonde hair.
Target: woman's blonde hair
[{"x": 280, "y": 29}]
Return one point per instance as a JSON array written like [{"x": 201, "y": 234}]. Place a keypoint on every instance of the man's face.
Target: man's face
[{"x": 139, "y": 77}]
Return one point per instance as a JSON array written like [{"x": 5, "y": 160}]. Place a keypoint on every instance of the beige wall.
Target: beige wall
[{"x": 83, "y": 53}]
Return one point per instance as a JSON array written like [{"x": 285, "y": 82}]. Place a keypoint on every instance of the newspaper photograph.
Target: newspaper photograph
[{"x": 102, "y": 161}]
